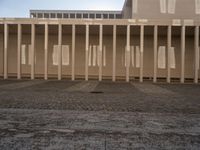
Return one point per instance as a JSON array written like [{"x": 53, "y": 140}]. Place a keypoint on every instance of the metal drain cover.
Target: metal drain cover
[{"x": 96, "y": 92}]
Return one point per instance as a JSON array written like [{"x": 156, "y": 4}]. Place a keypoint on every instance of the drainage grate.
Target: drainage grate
[{"x": 96, "y": 92}]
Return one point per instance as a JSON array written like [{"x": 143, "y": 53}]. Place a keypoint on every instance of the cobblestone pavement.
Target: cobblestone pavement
[{"x": 98, "y": 115}]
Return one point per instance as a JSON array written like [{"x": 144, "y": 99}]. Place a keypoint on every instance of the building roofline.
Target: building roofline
[{"x": 75, "y": 11}]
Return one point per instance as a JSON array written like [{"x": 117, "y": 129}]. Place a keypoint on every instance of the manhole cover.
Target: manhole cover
[{"x": 96, "y": 92}]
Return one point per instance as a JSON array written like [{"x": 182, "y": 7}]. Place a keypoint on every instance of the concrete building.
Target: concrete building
[{"x": 148, "y": 39}]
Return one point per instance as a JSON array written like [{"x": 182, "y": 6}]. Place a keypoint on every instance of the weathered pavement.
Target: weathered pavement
[{"x": 68, "y": 115}]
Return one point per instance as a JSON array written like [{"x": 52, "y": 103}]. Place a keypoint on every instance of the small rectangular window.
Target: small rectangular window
[
  {"x": 132, "y": 56},
  {"x": 90, "y": 56},
  {"x": 94, "y": 55},
  {"x": 162, "y": 57},
  {"x": 23, "y": 54},
  {"x": 172, "y": 58},
  {"x": 135, "y": 6},
  {"x": 197, "y": 6},
  {"x": 104, "y": 55},
  {"x": 171, "y": 6},
  {"x": 137, "y": 57},
  {"x": 65, "y": 55},
  {"x": 98, "y": 60},
  {"x": 29, "y": 54},
  {"x": 163, "y": 6},
  {"x": 55, "y": 55}
]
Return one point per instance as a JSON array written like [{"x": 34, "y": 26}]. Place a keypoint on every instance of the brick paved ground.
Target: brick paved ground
[{"x": 98, "y": 115}]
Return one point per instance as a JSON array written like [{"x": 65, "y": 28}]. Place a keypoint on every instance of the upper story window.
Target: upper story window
[
  {"x": 53, "y": 15},
  {"x": 59, "y": 15},
  {"x": 92, "y": 16},
  {"x": 72, "y": 15},
  {"x": 111, "y": 16},
  {"x": 135, "y": 6},
  {"x": 66, "y": 15},
  {"x": 40, "y": 15},
  {"x": 78, "y": 15},
  {"x": 85, "y": 15},
  {"x": 167, "y": 6},
  {"x": 197, "y": 6},
  {"x": 98, "y": 15}
]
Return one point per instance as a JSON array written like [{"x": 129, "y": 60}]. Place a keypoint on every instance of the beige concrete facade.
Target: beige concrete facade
[{"x": 141, "y": 46}]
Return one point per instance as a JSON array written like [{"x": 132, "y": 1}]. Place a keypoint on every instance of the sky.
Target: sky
[{"x": 20, "y": 8}]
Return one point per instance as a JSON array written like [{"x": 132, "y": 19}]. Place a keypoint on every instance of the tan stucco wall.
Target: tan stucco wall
[{"x": 107, "y": 40}]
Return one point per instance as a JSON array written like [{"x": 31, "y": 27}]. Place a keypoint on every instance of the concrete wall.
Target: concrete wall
[
  {"x": 150, "y": 9},
  {"x": 107, "y": 41}
]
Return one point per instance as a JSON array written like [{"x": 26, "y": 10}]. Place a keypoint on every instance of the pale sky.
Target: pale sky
[{"x": 20, "y": 8}]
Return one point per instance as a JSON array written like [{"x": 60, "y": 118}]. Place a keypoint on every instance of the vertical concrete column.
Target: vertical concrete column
[
  {"x": 73, "y": 50},
  {"x": 114, "y": 53},
  {"x": 46, "y": 51},
  {"x": 86, "y": 52},
  {"x": 155, "y": 53},
  {"x": 182, "y": 54},
  {"x": 141, "y": 52},
  {"x": 100, "y": 51},
  {"x": 19, "y": 39},
  {"x": 32, "y": 51},
  {"x": 59, "y": 51},
  {"x": 169, "y": 41},
  {"x": 127, "y": 54},
  {"x": 6, "y": 34},
  {"x": 196, "y": 75}
]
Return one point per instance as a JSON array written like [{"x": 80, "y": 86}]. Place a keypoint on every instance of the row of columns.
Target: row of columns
[{"x": 169, "y": 39}]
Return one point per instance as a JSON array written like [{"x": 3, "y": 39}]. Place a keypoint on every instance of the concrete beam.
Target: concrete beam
[
  {"x": 155, "y": 53},
  {"x": 32, "y": 51},
  {"x": 100, "y": 51},
  {"x": 169, "y": 43},
  {"x": 114, "y": 53},
  {"x": 19, "y": 40},
  {"x": 182, "y": 54},
  {"x": 6, "y": 37},
  {"x": 73, "y": 50},
  {"x": 86, "y": 52},
  {"x": 59, "y": 52},
  {"x": 196, "y": 76},
  {"x": 128, "y": 54},
  {"x": 141, "y": 52},
  {"x": 46, "y": 37}
]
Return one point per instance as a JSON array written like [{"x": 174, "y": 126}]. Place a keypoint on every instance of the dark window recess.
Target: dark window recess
[
  {"x": 85, "y": 15},
  {"x": 72, "y": 15},
  {"x": 59, "y": 15},
  {"x": 78, "y": 15},
  {"x": 40, "y": 15},
  {"x": 46, "y": 15},
  {"x": 91, "y": 16},
  {"x": 66, "y": 16},
  {"x": 105, "y": 16},
  {"x": 118, "y": 16},
  {"x": 111, "y": 16},
  {"x": 98, "y": 15},
  {"x": 53, "y": 15}
]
